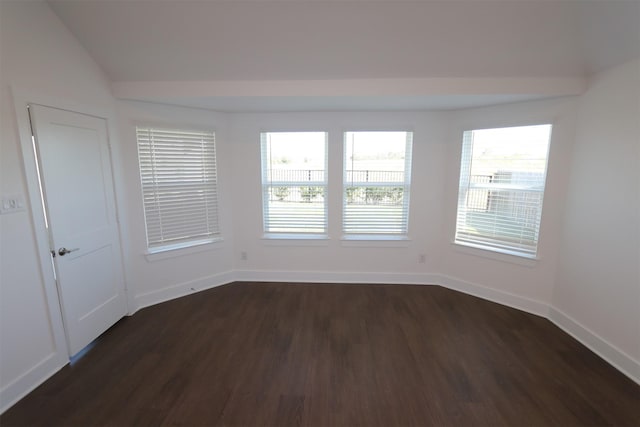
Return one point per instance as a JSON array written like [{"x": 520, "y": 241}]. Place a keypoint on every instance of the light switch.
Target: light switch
[{"x": 12, "y": 203}]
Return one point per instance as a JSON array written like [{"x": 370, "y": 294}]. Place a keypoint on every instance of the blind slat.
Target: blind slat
[
  {"x": 377, "y": 178},
  {"x": 179, "y": 185},
  {"x": 294, "y": 190},
  {"x": 502, "y": 180}
]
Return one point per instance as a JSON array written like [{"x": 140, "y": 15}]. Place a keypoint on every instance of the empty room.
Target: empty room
[{"x": 319, "y": 212}]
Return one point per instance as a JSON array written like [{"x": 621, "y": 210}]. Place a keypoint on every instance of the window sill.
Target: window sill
[
  {"x": 274, "y": 239},
  {"x": 496, "y": 254},
  {"x": 166, "y": 252},
  {"x": 375, "y": 241}
]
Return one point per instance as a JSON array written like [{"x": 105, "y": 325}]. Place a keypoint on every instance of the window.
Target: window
[
  {"x": 294, "y": 183},
  {"x": 502, "y": 180},
  {"x": 377, "y": 177},
  {"x": 179, "y": 187}
]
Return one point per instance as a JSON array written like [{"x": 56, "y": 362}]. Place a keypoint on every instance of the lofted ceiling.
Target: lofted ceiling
[{"x": 391, "y": 54}]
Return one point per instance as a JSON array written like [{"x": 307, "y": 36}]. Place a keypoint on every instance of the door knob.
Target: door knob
[{"x": 64, "y": 251}]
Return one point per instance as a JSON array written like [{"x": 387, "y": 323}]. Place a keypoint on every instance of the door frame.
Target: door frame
[{"x": 21, "y": 100}]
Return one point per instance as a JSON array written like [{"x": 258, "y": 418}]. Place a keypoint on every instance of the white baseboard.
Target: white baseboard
[
  {"x": 613, "y": 355},
  {"x": 30, "y": 380},
  {"x": 521, "y": 303},
  {"x": 335, "y": 277},
  {"x": 510, "y": 300},
  {"x": 181, "y": 289},
  {"x": 616, "y": 357}
]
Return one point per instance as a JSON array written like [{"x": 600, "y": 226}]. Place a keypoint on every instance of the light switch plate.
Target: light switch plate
[{"x": 12, "y": 203}]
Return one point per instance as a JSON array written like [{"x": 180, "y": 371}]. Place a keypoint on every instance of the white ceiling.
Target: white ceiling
[{"x": 203, "y": 42}]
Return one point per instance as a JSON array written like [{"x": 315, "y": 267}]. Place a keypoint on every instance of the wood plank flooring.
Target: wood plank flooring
[{"x": 267, "y": 354}]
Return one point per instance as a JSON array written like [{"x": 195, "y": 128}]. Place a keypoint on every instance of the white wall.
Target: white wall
[
  {"x": 41, "y": 56},
  {"x": 300, "y": 260},
  {"x": 530, "y": 281},
  {"x": 436, "y": 159},
  {"x": 598, "y": 280},
  {"x": 47, "y": 63},
  {"x": 180, "y": 272},
  {"x": 586, "y": 284}
]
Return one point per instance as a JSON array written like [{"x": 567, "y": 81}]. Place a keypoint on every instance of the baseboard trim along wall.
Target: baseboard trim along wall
[
  {"x": 31, "y": 379},
  {"x": 336, "y": 277},
  {"x": 181, "y": 289},
  {"x": 510, "y": 300},
  {"x": 528, "y": 305},
  {"x": 613, "y": 355}
]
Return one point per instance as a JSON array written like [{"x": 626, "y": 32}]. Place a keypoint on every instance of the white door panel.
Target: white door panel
[{"x": 78, "y": 191}]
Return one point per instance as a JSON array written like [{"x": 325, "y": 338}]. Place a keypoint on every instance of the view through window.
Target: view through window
[
  {"x": 294, "y": 182},
  {"x": 502, "y": 180},
  {"x": 377, "y": 177}
]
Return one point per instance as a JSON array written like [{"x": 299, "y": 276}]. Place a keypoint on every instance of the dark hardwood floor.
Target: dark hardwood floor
[{"x": 254, "y": 354}]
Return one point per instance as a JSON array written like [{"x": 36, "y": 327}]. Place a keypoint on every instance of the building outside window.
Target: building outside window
[{"x": 502, "y": 182}]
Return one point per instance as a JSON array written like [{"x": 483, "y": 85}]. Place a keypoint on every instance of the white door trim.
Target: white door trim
[{"x": 59, "y": 356}]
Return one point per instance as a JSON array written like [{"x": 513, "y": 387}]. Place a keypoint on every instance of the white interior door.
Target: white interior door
[{"x": 77, "y": 186}]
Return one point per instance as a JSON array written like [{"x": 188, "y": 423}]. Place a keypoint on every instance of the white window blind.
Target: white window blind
[
  {"x": 179, "y": 186},
  {"x": 294, "y": 182},
  {"x": 502, "y": 181},
  {"x": 377, "y": 178}
]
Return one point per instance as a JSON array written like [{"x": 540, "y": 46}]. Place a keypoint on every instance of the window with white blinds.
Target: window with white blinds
[
  {"x": 294, "y": 183},
  {"x": 377, "y": 179},
  {"x": 179, "y": 187},
  {"x": 502, "y": 181}
]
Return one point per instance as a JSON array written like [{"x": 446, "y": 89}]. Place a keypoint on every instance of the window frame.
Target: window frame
[
  {"x": 477, "y": 246},
  {"x": 197, "y": 243},
  {"x": 369, "y": 238},
  {"x": 265, "y": 185}
]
